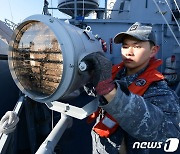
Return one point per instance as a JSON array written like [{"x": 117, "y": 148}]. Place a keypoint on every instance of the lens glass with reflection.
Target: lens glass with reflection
[{"x": 37, "y": 59}]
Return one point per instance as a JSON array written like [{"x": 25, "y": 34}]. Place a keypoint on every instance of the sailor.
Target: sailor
[
  {"x": 8, "y": 122},
  {"x": 135, "y": 103},
  {"x": 45, "y": 8}
]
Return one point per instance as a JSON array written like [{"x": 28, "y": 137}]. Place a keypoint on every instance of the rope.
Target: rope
[
  {"x": 167, "y": 23},
  {"x": 173, "y": 14}
]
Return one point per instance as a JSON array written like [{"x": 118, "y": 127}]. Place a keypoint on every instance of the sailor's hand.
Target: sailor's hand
[
  {"x": 8, "y": 122},
  {"x": 101, "y": 72}
]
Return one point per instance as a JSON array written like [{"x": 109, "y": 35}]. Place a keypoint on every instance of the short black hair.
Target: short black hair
[{"x": 152, "y": 44}]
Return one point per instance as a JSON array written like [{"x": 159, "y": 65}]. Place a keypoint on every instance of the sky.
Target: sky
[{"x": 18, "y": 10}]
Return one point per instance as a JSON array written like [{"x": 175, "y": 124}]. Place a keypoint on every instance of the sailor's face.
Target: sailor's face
[{"x": 136, "y": 54}]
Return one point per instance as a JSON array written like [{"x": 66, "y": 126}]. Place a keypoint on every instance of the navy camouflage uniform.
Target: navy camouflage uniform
[{"x": 153, "y": 117}]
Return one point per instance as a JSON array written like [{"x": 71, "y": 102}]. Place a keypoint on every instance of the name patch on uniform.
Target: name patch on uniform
[{"x": 140, "y": 82}]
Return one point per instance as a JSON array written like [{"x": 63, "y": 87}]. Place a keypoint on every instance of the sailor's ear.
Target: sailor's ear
[{"x": 154, "y": 50}]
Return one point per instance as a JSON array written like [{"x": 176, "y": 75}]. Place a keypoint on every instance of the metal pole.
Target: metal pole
[
  {"x": 105, "y": 9},
  {"x": 75, "y": 9},
  {"x": 4, "y": 138},
  {"x": 47, "y": 147}
]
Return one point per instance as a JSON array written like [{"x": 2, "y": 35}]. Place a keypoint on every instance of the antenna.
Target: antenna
[
  {"x": 10, "y": 10},
  {"x": 51, "y": 6}
]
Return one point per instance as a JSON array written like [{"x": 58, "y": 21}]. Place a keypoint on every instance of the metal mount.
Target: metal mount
[{"x": 73, "y": 111}]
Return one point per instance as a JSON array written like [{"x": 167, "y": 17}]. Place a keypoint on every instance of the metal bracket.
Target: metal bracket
[
  {"x": 89, "y": 34},
  {"x": 73, "y": 111}
]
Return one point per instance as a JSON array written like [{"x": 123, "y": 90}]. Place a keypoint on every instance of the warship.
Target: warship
[{"x": 42, "y": 75}]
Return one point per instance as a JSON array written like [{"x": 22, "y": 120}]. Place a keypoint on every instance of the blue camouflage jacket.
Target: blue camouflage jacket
[{"x": 154, "y": 117}]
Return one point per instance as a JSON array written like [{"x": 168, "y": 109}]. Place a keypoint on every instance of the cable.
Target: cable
[
  {"x": 167, "y": 23},
  {"x": 173, "y": 15},
  {"x": 177, "y": 5}
]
